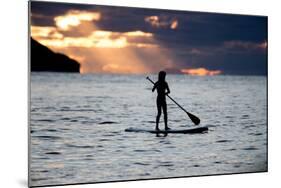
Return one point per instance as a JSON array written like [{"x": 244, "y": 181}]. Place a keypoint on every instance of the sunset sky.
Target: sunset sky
[{"x": 122, "y": 40}]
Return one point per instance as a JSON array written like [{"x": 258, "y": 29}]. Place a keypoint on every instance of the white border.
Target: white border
[{"x": 13, "y": 40}]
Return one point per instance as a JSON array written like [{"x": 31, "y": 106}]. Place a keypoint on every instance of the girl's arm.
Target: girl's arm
[
  {"x": 168, "y": 89},
  {"x": 154, "y": 87}
]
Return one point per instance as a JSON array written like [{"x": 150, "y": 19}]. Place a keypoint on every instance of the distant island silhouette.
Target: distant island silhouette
[{"x": 44, "y": 59}]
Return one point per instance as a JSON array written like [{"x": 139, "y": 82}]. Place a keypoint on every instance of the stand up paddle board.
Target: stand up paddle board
[{"x": 176, "y": 131}]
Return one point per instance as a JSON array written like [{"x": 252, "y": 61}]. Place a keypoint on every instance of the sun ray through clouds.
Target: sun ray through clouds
[{"x": 102, "y": 50}]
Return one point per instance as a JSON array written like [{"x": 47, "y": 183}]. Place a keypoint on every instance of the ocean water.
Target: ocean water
[{"x": 77, "y": 127}]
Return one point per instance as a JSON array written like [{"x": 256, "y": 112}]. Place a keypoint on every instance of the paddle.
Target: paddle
[{"x": 193, "y": 118}]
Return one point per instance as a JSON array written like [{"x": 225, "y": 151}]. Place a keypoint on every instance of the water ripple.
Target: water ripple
[
  {"x": 79, "y": 146},
  {"x": 250, "y": 148},
  {"x": 107, "y": 122},
  {"x": 140, "y": 150},
  {"x": 48, "y": 137},
  {"x": 53, "y": 153},
  {"x": 223, "y": 141},
  {"x": 142, "y": 164}
]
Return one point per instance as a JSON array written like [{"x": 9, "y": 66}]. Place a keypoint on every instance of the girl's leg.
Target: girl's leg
[
  {"x": 165, "y": 115},
  {"x": 158, "y": 114}
]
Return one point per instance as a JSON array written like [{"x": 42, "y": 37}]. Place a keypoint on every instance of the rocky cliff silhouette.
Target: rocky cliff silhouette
[{"x": 44, "y": 59}]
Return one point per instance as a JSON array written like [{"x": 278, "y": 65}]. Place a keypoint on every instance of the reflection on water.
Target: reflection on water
[{"x": 78, "y": 121}]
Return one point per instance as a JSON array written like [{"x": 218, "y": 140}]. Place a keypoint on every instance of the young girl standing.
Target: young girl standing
[{"x": 162, "y": 88}]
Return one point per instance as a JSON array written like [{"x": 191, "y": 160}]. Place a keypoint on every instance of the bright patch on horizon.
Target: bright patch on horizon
[{"x": 201, "y": 72}]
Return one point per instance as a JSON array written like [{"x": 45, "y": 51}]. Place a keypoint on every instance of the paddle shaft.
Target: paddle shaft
[{"x": 195, "y": 119}]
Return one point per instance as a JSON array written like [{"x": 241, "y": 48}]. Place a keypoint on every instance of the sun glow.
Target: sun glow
[{"x": 201, "y": 72}]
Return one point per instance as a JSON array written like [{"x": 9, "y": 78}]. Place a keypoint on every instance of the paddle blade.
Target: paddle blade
[{"x": 193, "y": 118}]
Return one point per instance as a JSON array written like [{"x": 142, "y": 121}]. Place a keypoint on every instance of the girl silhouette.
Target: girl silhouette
[{"x": 162, "y": 88}]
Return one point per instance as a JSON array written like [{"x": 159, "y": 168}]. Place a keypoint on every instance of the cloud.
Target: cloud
[
  {"x": 161, "y": 22},
  {"x": 37, "y": 15},
  {"x": 244, "y": 45},
  {"x": 174, "y": 24},
  {"x": 226, "y": 47},
  {"x": 196, "y": 51},
  {"x": 201, "y": 72},
  {"x": 45, "y": 32},
  {"x": 138, "y": 33},
  {"x": 74, "y": 18},
  {"x": 51, "y": 37}
]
